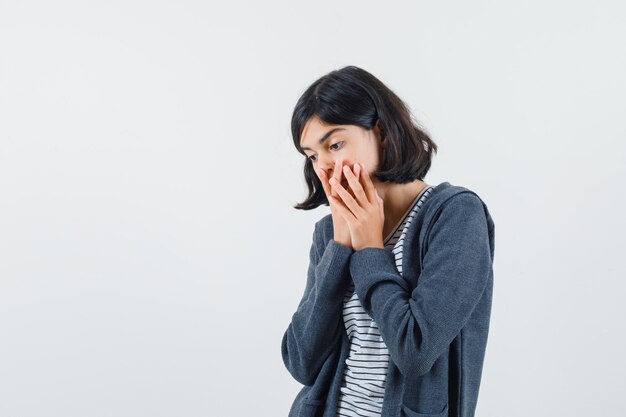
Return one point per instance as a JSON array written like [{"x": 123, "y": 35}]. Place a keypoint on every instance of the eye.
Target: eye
[
  {"x": 336, "y": 143},
  {"x": 331, "y": 146}
]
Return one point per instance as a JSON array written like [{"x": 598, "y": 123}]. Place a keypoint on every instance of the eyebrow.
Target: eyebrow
[{"x": 326, "y": 136}]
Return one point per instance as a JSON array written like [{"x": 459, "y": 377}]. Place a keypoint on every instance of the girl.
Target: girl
[{"x": 395, "y": 313}]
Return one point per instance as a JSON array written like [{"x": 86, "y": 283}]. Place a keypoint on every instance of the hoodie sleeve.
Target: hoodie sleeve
[
  {"x": 418, "y": 325},
  {"x": 315, "y": 328}
]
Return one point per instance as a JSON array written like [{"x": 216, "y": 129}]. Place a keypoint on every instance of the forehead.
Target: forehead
[{"x": 315, "y": 129}]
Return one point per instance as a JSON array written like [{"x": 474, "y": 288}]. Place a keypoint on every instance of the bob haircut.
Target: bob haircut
[{"x": 353, "y": 96}]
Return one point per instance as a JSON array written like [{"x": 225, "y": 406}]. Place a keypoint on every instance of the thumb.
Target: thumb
[{"x": 381, "y": 203}]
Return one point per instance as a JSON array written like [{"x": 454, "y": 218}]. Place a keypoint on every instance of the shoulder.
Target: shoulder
[
  {"x": 457, "y": 198},
  {"x": 324, "y": 229},
  {"x": 464, "y": 202},
  {"x": 324, "y": 222},
  {"x": 457, "y": 210}
]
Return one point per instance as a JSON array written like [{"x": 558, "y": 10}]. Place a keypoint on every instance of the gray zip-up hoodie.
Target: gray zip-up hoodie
[{"x": 434, "y": 318}]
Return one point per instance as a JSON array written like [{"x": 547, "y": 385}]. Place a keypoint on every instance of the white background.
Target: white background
[{"x": 150, "y": 257}]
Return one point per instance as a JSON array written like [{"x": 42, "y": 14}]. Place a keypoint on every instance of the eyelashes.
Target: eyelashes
[{"x": 310, "y": 158}]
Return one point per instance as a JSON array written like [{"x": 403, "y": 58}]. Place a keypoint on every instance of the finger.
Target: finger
[
  {"x": 343, "y": 211},
  {"x": 324, "y": 180},
  {"x": 368, "y": 186},
  {"x": 381, "y": 205},
  {"x": 358, "y": 174},
  {"x": 347, "y": 199},
  {"x": 357, "y": 170},
  {"x": 355, "y": 185},
  {"x": 337, "y": 174},
  {"x": 323, "y": 176}
]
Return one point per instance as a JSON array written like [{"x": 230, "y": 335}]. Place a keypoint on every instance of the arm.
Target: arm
[
  {"x": 315, "y": 328},
  {"x": 419, "y": 325}
]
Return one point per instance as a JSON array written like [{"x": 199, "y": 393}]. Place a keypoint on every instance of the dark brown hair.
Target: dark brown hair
[{"x": 353, "y": 96}]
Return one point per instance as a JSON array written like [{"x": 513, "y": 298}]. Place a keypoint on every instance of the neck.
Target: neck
[{"x": 397, "y": 200}]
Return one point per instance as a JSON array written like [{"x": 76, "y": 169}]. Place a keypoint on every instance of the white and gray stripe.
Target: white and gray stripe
[{"x": 363, "y": 386}]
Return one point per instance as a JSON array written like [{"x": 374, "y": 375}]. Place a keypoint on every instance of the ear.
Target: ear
[{"x": 382, "y": 133}]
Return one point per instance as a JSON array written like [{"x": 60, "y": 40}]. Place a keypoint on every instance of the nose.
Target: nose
[
  {"x": 332, "y": 167},
  {"x": 329, "y": 167}
]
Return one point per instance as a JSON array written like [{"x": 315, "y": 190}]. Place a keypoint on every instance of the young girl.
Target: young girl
[{"x": 395, "y": 313}]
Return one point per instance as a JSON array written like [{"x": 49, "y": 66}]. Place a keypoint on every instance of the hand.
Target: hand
[
  {"x": 340, "y": 227},
  {"x": 364, "y": 212}
]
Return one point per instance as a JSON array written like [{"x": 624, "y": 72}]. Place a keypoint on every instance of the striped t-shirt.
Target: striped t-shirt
[{"x": 363, "y": 386}]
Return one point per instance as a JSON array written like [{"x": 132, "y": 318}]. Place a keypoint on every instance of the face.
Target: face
[{"x": 324, "y": 144}]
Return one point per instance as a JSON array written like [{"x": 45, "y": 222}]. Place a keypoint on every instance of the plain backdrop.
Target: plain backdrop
[{"x": 150, "y": 255}]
